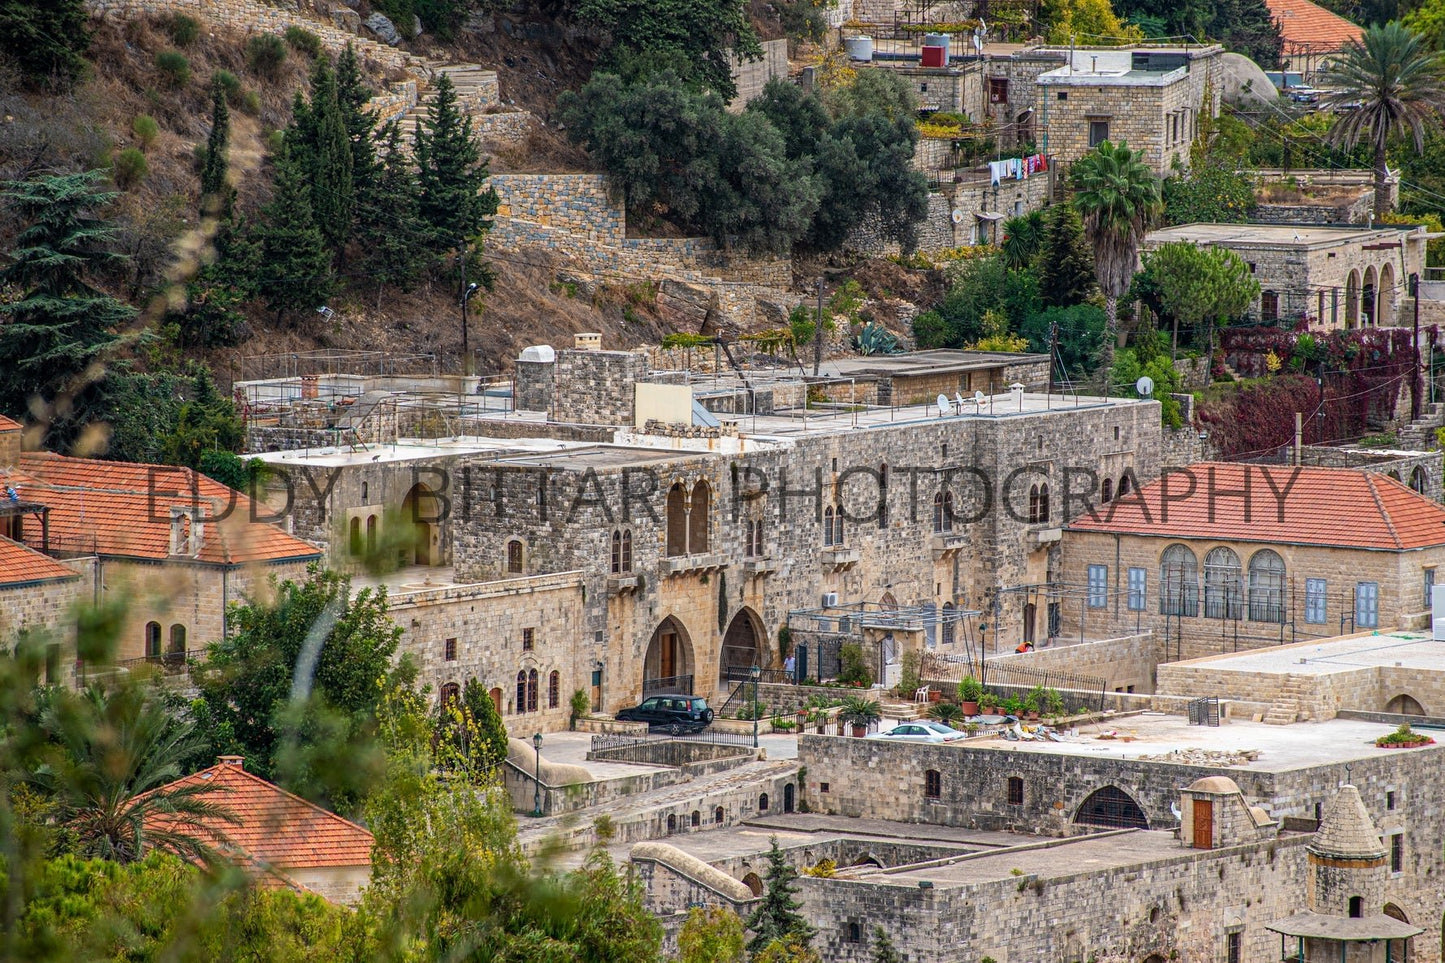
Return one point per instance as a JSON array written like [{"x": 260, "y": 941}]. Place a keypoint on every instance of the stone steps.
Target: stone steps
[{"x": 1282, "y": 712}]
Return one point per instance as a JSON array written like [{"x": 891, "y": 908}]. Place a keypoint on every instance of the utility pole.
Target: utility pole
[
  {"x": 1415, "y": 384},
  {"x": 818, "y": 333},
  {"x": 1053, "y": 352}
]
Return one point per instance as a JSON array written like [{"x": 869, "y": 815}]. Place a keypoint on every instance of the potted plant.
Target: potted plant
[
  {"x": 860, "y": 713},
  {"x": 1035, "y": 702},
  {"x": 579, "y": 706},
  {"x": 780, "y": 724},
  {"x": 1404, "y": 738},
  {"x": 1013, "y": 706},
  {"x": 969, "y": 692},
  {"x": 819, "y": 718},
  {"x": 934, "y": 695},
  {"x": 987, "y": 702},
  {"x": 947, "y": 713},
  {"x": 1056, "y": 704}
]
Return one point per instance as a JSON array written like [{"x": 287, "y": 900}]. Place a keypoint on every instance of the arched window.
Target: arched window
[
  {"x": 532, "y": 691},
  {"x": 1015, "y": 791},
  {"x": 932, "y": 784},
  {"x": 1124, "y": 486},
  {"x": 943, "y": 512},
  {"x": 699, "y": 514},
  {"x": 828, "y": 525},
  {"x": 838, "y": 525},
  {"x": 949, "y": 627},
  {"x": 522, "y": 691},
  {"x": 371, "y": 533},
  {"x": 1111, "y": 807},
  {"x": 1033, "y": 515},
  {"x": 1222, "y": 585},
  {"x": 363, "y": 492},
  {"x": 763, "y": 803},
  {"x": 938, "y": 512},
  {"x": 696, "y": 819},
  {"x": 1418, "y": 479},
  {"x": 671, "y": 823},
  {"x": 514, "y": 557},
  {"x": 616, "y": 551},
  {"x": 1107, "y": 494},
  {"x": 1178, "y": 582},
  {"x": 153, "y": 640},
  {"x": 1044, "y": 502},
  {"x": 451, "y": 694},
  {"x": 496, "y": 696},
  {"x": 717, "y": 816},
  {"x": 676, "y": 521},
  {"x": 178, "y": 640},
  {"x": 1266, "y": 587},
  {"x": 356, "y": 544},
  {"x": 554, "y": 689},
  {"x": 627, "y": 550}
]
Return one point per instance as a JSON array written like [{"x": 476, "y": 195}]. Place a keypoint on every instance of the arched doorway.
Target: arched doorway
[
  {"x": 1405, "y": 705},
  {"x": 421, "y": 511},
  {"x": 669, "y": 663},
  {"x": 741, "y": 646},
  {"x": 789, "y": 798},
  {"x": 1368, "y": 313},
  {"x": 496, "y": 695},
  {"x": 1031, "y": 617},
  {"x": 753, "y": 882},
  {"x": 1352, "y": 300},
  {"x": 1111, "y": 807},
  {"x": 1387, "y": 311}
]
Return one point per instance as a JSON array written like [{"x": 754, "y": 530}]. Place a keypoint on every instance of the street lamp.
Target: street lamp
[
  {"x": 537, "y": 776},
  {"x": 468, "y": 292},
  {"x": 755, "y": 672}
]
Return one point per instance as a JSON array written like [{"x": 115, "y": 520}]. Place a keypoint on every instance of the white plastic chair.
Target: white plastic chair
[{"x": 921, "y": 696}]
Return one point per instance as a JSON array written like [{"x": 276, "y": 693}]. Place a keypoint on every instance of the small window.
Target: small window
[
  {"x": 932, "y": 784},
  {"x": 1367, "y": 605},
  {"x": 1098, "y": 132},
  {"x": 822, "y": 787},
  {"x": 998, "y": 90},
  {"x": 529, "y": 639},
  {"x": 1390, "y": 799},
  {"x": 696, "y": 819},
  {"x": 451, "y": 650},
  {"x": 717, "y": 816},
  {"x": 1098, "y": 586},
  {"x": 1138, "y": 589},
  {"x": 1232, "y": 946},
  {"x": 451, "y": 694},
  {"x": 763, "y": 803},
  {"x": 1315, "y": 594},
  {"x": 554, "y": 690},
  {"x": 1357, "y": 909},
  {"x": 522, "y": 691},
  {"x": 1063, "y": 95},
  {"x": 178, "y": 640},
  {"x": 1015, "y": 791},
  {"x": 1429, "y": 585},
  {"x": 532, "y": 691},
  {"x": 671, "y": 823},
  {"x": 1269, "y": 306},
  {"x": 514, "y": 557},
  {"x": 853, "y": 933},
  {"x": 153, "y": 640},
  {"x": 1397, "y": 853}
]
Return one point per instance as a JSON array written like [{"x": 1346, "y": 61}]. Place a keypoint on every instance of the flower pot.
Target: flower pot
[
  {"x": 859, "y": 731},
  {"x": 934, "y": 695},
  {"x": 1032, "y": 716},
  {"x": 970, "y": 708}
]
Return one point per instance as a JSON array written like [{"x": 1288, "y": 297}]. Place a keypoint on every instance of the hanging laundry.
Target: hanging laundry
[{"x": 997, "y": 170}]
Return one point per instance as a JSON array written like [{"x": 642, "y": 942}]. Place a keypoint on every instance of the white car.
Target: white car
[{"x": 920, "y": 732}]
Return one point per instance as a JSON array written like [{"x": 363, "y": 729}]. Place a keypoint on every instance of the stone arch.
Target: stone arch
[
  {"x": 177, "y": 645},
  {"x": 1369, "y": 293},
  {"x": 668, "y": 666},
  {"x": 699, "y": 518},
  {"x": 1387, "y": 298},
  {"x": 1352, "y": 300},
  {"x": 789, "y": 797},
  {"x": 1419, "y": 479},
  {"x": 676, "y": 520},
  {"x": 1153, "y": 958},
  {"x": 1107, "y": 494},
  {"x": 1395, "y": 474},
  {"x": 421, "y": 509},
  {"x": 1395, "y": 913},
  {"x": 1111, "y": 807},
  {"x": 153, "y": 640},
  {"x": 742, "y": 644},
  {"x": 868, "y": 859},
  {"x": 1405, "y": 705},
  {"x": 354, "y": 543},
  {"x": 763, "y": 803},
  {"x": 754, "y": 882},
  {"x": 888, "y": 602}
]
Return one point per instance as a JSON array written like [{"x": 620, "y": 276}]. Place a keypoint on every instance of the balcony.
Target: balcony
[
  {"x": 623, "y": 583},
  {"x": 759, "y": 567},
  {"x": 944, "y": 544},
  {"x": 692, "y": 564},
  {"x": 838, "y": 557},
  {"x": 1047, "y": 536}
]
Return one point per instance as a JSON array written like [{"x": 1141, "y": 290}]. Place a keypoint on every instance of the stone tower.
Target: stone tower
[{"x": 1346, "y": 860}]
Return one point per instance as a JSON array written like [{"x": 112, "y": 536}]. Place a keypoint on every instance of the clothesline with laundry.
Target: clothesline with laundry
[{"x": 1017, "y": 168}]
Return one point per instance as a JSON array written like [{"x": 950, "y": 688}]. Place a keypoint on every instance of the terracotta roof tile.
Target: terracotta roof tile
[
  {"x": 9, "y": 424},
  {"x": 276, "y": 828},
  {"x": 1310, "y": 28},
  {"x": 1301, "y": 506},
  {"x": 21, "y": 566},
  {"x": 123, "y": 509}
]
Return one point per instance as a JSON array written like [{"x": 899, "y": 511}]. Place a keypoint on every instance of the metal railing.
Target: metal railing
[
  {"x": 658, "y": 734},
  {"x": 668, "y": 684},
  {"x": 1204, "y": 712},
  {"x": 172, "y": 663}
]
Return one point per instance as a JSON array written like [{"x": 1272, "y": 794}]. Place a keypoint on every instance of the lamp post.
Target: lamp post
[
  {"x": 755, "y": 672},
  {"x": 537, "y": 776}
]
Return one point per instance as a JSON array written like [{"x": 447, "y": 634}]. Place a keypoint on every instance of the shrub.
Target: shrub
[
  {"x": 183, "y": 29},
  {"x": 945, "y": 712},
  {"x": 174, "y": 66},
  {"x": 251, "y": 103},
  {"x": 580, "y": 706},
  {"x": 146, "y": 129},
  {"x": 854, "y": 669},
  {"x": 265, "y": 53},
  {"x": 303, "y": 40},
  {"x": 229, "y": 83},
  {"x": 129, "y": 167}
]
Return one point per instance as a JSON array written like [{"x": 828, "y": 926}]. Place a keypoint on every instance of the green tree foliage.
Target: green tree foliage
[
  {"x": 321, "y": 144},
  {"x": 1118, "y": 196},
  {"x": 873, "y": 92},
  {"x": 1062, "y": 20},
  {"x": 205, "y": 423},
  {"x": 212, "y": 315},
  {"x": 47, "y": 41},
  {"x": 1398, "y": 83},
  {"x": 1066, "y": 266},
  {"x": 1243, "y": 26},
  {"x": 981, "y": 286},
  {"x": 776, "y": 916},
  {"x": 398, "y": 248},
  {"x": 1196, "y": 286},
  {"x": 1208, "y": 194},
  {"x": 60, "y": 325},
  {"x": 1150, "y": 357},
  {"x": 473, "y": 730},
  {"x": 1023, "y": 239},
  {"x": 451, "y": 172},
  {"x": 295, "y": 267},
  {"x": 217, "y": 196},
  {"x": 693, "y": 36},
  {"x": 883, "y": 951},
  {"x": 712, "y": 934},
  {"x": 295, "y": 687},
  {"x": 1080, "y": 335},
  {"x": 756, "y": 198},
  {"x": 352, "y": 95}
]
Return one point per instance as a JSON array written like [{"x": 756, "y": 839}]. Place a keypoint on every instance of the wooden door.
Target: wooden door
[
  {"x": 667, "y": 664},
  {"x": 1203, "y": 824}
]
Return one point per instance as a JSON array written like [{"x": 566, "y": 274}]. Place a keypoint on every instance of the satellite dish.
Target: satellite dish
[
  {"x": 979, "y": 398},
  {"x": 942, "y": 404},
  {"x": 958, "y": 216},
  {"x": 958, "y": 401},
  {"x": 1145, "y": 386}
]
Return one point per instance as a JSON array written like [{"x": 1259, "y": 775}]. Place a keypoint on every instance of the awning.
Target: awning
[
  {"x": 988, "y": 215},
  {"x": 1344, "y": 929}
]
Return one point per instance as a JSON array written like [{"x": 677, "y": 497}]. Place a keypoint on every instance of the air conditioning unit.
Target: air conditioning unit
[{"x": 830, "y": 599}]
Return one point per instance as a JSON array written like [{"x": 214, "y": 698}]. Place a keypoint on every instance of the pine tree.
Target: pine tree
[
  {"x": 883, "y": 951},
  {"x": 491, "y": 749},
  {"x": 1066, "y": 265},
  {"x": 295, "y": 267},
  {"x": 397, "y": 248},
  {"x": 217, "y": 196},
  {"x": 329, "y": 159},
  {"x": 776, "y": 917},
  {"x": 451, "y": 172},
  {"x": 45, "y": 40},
  {"x": 60, "y": 325},
  {"x": 352, "y": 95}
]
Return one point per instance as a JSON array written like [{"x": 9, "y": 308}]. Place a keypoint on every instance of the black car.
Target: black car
[{"x": 672, "y": 713}]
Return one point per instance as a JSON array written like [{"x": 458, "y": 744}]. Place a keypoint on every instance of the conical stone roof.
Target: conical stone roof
[{"x": 1346, "y": 831}]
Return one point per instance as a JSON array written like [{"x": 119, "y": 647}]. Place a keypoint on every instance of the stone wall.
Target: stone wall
[
  {"x": 1421, "y": 468},
  {"x": 1123, "y": 663},
  {"x": 752, "y": 75},
  {"x": 597, "y": 387},
  {"x": 1354, "y": 210},
  {"x": 504, "y": 129}
]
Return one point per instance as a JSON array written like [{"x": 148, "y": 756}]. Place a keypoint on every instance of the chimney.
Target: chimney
[{"x": 238, "y": 761}]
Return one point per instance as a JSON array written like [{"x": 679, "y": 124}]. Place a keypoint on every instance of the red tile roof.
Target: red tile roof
[
  {"x": 276, "y": 829},
  {"x": 1310, "y": 28},
  {"x": 23, "y": 566},
  {"x": 123, "y": 509},
  {"x": 9, "y": 424},
  {"x": 1302, "y": 506}
]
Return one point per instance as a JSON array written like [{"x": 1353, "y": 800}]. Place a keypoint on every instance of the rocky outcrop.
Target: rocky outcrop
[{"x": 384, "y": 29}]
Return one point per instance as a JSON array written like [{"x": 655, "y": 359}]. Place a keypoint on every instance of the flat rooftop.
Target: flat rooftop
[
  {"x": 1410, "y": 650},
  {"x": 405, "y": 450},
  {"x": 1268, "y": 235},
  {"x": 940, "y": 361},
  {"x": 1157, "y": 737}
]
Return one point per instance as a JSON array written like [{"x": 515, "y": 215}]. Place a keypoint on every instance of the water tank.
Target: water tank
[
  {"x": 936, "y": 40},
  {"x": 935, "y": 56},
  {"x": 539, "y": 352},
  {"x": 859, "y": 48}
]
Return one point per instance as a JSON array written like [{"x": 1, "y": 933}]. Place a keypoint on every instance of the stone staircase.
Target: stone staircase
[
  {"x": 1287, "y": 706},
  {"x": 1419, "y": 435},
  {"x": 477, "y": 90}
]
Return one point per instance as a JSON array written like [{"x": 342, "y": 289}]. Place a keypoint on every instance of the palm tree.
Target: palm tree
[
  {"x": 1388, "y": 82},
  {"x": 120, "y": 750},
  {"x": 1023, "y": 236},
  {"x": 1118, "y": 196}
]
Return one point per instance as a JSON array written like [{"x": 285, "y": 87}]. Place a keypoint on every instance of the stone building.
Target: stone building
[
  {"x": 1338, "y": 277},
  {"x": 1228, "y": 556}
]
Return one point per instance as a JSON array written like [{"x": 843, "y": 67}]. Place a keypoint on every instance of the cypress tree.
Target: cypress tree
[
  {"x": 332, "y": 192},
  {"x": 352, "y": 95},
  {"x": 1066, "y": 265},
  {"x": 217, "y": 196},
  {"x": 295, "y": 268},
  {"x": 776, "y": 917},
  {"x": 883, "y": 950},
  {"x": 397, "y": 248},
  {"x": 451, "y": 172}
]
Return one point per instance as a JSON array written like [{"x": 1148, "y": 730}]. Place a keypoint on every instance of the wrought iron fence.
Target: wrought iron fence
[
  {"x": 1204, "y": 712},
  {"x": 658, "y": 734},
  {"x": 668, "y": 684}
]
